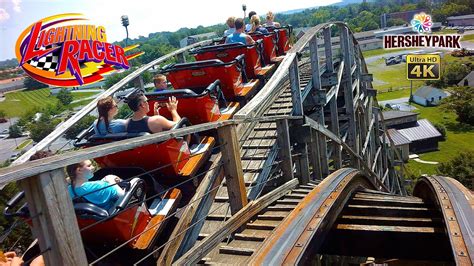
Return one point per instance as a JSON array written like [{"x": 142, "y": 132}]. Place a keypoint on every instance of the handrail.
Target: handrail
[
  {"x": 60, "y": 130},
  {"x": 18, "y": 172},
  {"x": 21, "y": 171}
]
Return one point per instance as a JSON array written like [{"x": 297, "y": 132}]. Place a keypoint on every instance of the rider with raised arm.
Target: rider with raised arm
[{"x": 140, "y": 122}]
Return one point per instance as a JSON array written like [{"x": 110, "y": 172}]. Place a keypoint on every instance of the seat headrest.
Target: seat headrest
[{"x": 89, "y": 209}]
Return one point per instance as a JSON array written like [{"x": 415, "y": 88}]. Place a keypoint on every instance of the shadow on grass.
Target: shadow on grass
[{"x": 458, "y": 127}]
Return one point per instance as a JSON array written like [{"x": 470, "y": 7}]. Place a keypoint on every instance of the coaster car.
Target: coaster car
[
  {"x": 198, "y": 75},
  {"x": 283, "y": 38},
  {"x": 269, "y": 46},
  {"x": 253, "y": 55},
  {"x": 128, "y": 218},
  {"x": 205, "y": 106},
  {"x": 168, "y": 159}
]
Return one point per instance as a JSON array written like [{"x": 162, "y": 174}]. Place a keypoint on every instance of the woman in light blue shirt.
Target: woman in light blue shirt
[
  {"x": 103, "y": 193},
  {"x": 106, "y": 124}
]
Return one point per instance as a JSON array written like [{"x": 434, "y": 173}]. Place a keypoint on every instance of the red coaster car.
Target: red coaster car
[
  {"x": 283, "y": 38},
  {"x": 167, "y": 160},
  {"x": 198, "y": 75},
  {"x": 269, "y": 46},
  {"x": 199, "y": 107},
  {"x": 127, "y": 219},
  {"x": 254, "y": 63}
]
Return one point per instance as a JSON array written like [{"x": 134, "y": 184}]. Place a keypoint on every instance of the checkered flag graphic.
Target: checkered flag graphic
[{"x": 48, "y": 62}]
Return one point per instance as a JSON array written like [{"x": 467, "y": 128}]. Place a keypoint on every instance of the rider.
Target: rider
[
  {"x": 140, "y": 122},
  {"x": 231, "y": 24},
  {"x": 161, "y": 83},
  {"x": 108, "y": 109},
  {"x": 103, "y": 193}
]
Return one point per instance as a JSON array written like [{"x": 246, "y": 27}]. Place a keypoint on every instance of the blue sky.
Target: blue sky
[{"x": 145, "y": 16}]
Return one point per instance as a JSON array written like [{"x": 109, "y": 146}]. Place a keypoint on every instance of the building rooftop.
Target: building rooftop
[
  {"x": 397, "y": 137},
  {"x": 471, "y": 16},
  {"x": 425, "y": 91},
  {"x": 470, "y": 79},
  {"x": 423, "y": 130},
  {"x": 394, "y": 114}
]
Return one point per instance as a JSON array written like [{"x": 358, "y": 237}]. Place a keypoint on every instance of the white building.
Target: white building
[{"x": 429, "y": 96}]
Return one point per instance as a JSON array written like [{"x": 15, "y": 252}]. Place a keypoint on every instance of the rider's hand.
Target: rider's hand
[
  {"x": 172, "y": 104},
  {"x": 157, "y": 107}
]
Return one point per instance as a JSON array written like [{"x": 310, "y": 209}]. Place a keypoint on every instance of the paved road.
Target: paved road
[{"x": 7, "y": 147}]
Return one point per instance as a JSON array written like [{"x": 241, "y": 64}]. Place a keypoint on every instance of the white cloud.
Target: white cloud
[
  {"x": 4, "y": 15},
  {"x": 16, "y": 5}
]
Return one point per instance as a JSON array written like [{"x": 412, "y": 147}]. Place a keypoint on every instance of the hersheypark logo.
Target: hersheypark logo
[{"x": 421, "y": 24}]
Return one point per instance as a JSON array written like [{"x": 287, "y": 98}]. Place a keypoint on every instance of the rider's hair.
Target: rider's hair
[
  {"x": 103, "y": 107},
  {"x": 71, "y": 170},
  {"x": 239, "y": 23},
  {"x": 251, "y": 13},
  {"x": 231, "y": 22},
  {"x": 135, "y": 100}
]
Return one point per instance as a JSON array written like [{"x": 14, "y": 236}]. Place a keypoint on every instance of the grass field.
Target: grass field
[
  {"x": 459, "y": 138},
  {"x": 394, "y": 94},
  {"x": 469, "y": 37},
  {"x": 380, "y": 51},
  {"x": 394, "y": 76},
  {"x": 24, "y": 144},
  {"x": 19, "y": 102}
]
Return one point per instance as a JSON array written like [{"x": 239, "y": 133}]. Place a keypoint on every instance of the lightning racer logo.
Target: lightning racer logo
[{"x": 64, "y": 50}]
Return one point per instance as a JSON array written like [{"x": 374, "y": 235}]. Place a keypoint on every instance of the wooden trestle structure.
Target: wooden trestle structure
[{"x": 304, "y": 166}]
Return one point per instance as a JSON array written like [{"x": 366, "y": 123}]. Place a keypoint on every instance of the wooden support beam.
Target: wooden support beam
[
  {"x": 328, "y": 49},
  {"x": 233, "y": 168},
  {"x": 314, "y": 150},
  {"x": 236, "y": 221},
  {"x": 367, "y": 136},
  {"x": 336, "y": 155},
  {"x": 208, "y": 186},
  {"x": 295, "y": 88},
  {"x": 321, "y": 151},
  {"x": 302, "y": 163},
  {"x": 284, "y": 152},
  {"x": 348, "y": 96},
  {"x": 54, "y": 223}
]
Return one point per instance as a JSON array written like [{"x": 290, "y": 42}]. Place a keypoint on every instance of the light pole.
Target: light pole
[{"x": 125, "y": 23}]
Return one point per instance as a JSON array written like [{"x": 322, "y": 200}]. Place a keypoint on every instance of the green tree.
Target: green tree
[
  {"x": 40, "y": 129},
  {"x": 15, "y": 131},
  {"x": 77, "y": 128},
  {"x": 124, "y": 112},
  {"x": 32, "y": 84},
  {"x": 462, "y": 102},
  {"x": 64, "y": 96},
  {"x": 455, "y": 72},
  {"x": 21, "y": 232},
  {"x": 460, "y": 168}
]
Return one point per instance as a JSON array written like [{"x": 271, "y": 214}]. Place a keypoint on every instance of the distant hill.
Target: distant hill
[
  {"x": 9, "y": 63},
  {"x": 341, "y": 3},
  {"x": 348, "y": 2}
]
